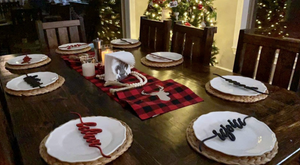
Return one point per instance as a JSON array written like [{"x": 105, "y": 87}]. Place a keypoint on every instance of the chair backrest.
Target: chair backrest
[
  {"x": 60, "y": 32},
  {"x": 24, "y": 23},
  {"x": 193, "y": 43},
  {"x": 155, "y": 35},
  {"x": 25, "y": 16},
  {"x": 256, "y": 57},
  {"x": 5, "y": 7}
]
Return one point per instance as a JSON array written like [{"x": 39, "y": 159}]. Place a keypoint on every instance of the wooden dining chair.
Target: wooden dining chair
[
  {"x": 193, "y": 43},
  {"x": 155, "y": 35},
  {"x": 6, "y": 7},
  {"x": 60, "y": 32},
  {"x": 270, "y": 60}
]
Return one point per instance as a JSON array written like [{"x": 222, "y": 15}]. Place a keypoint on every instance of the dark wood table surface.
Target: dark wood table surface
[{"x": 160, "y": 140}]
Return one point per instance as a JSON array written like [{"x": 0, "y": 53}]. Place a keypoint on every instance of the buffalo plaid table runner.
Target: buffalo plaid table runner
[
  {"x": 147, "y": 106},
  {"x": 144, "y": 105},
  {"x": 76, "y": 65}
]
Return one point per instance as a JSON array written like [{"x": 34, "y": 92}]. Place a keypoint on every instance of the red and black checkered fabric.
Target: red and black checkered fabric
[
  {"x": 76, "y": 65},
  {"x": 72, "y": 62},
  {"x": 147, "y": 106},
  {"x": 144, "y": 106}
]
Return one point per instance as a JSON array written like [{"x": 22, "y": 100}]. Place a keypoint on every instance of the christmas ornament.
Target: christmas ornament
[
  {"x": 187, "y": 24},
  {"x": 158, "y": 1},
  {"x": 176, "y": 14},
  {"x": 200, "y": 6},
  {"x": 173, "y": 4},
  {"x": 151, "y": 3},
  {"x": 203, "y": 24}
]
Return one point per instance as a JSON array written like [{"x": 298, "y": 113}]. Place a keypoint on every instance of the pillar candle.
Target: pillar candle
[{"x": 88, "y": 69}]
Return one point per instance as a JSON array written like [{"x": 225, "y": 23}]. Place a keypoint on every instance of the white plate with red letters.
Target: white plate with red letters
[
  {"x": 67, "y": 144},
  {"x": 34, "y": 58},
  {"x": 73, "y": 46}
]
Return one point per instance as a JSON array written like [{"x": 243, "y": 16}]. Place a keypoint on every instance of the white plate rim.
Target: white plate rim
[
  {"x": 10, "y": 84},
  {"x": 238, "y": 91},
  {"x": 174, "y": 56},
  {"x": 61, "y": 47},
  {"x": 119, "y": 42},
  {"x": 43, "y": 57},
  {"x": 150, "y": 58},
  {"x": 201, "y": 134},
  {"x": 89, "y": 118}
]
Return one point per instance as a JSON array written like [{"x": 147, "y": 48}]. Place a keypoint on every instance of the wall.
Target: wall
[
  {"x": 140, "y": 6},
  {"x": 226, "y": 19},
  {"x": 228, "y": 23}
]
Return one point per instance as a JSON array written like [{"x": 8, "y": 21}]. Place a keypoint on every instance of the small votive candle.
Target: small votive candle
[
  {"x": 88, "y": 67},
  {"x": 106, "y": 50}
]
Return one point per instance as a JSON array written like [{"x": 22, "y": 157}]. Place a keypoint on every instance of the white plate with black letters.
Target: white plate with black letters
[{"x": 254, "y": 139}]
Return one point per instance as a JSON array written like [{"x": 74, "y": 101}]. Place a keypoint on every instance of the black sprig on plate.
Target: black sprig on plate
[
  {"x": 242, "y": 85},
  {"x": 226, "y": 131},
  {"x": 33, "y": 81}
]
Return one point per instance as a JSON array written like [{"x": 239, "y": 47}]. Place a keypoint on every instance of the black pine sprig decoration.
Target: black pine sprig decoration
[
  {"x": 241, "y": 85},
  {"x": 33, "y": 81}
]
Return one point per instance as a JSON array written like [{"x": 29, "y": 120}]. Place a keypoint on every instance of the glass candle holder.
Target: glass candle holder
[
  {"x": 88, "y": 66},
  {"x": 106, "y": 49}
]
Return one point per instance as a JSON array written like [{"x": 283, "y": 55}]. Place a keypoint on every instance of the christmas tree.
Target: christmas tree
[
  {"x": 110, "y": 26},
  {"x": 197, "y": 13},
  {"x": 270, "y": 15}
]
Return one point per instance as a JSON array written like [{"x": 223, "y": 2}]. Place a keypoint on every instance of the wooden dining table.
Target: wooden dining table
[{"x": 159, "y": 140}]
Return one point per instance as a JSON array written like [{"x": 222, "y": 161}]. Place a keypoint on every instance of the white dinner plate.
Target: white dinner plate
[
  {"x": 120, "y": 42},
  {"x": 66, "y": 143},
  {"x": 226, "y": 87},
  {"x": 19, "y": 84},
  {"x": 254, "y": 139},
  {"x": 35, "y": 58},
  {"x": 73, "y": 46},
  {"x": 166, "y": 57}
]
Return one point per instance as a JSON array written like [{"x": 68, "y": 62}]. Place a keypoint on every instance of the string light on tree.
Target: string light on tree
[
  {"x": 269, "y": 16},
  {"x": 110, "y": 24}
]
